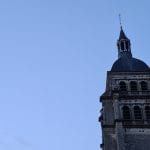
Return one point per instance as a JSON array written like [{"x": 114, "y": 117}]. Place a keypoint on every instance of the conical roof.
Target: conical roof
[{"x": 122, "y": 35}]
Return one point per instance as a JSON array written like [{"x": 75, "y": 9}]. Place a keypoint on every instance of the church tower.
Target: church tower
[{"x": 125, "y": 113}]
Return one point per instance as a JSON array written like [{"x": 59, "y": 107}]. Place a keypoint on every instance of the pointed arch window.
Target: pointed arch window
[
  {"x": 144, "y": 86},
  {"x": 133, "y": 86},
  {"x": 122, "y": 86},
  {"x": 147, "y": 112},
  {"x": 137, "y": 113},
  {"x": 126, "y": 113}
]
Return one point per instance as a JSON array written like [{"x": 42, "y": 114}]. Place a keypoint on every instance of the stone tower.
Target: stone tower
[{"x": 125, "y": 113}]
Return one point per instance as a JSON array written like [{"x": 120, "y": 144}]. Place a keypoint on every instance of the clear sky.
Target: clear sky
[{"x": 54, "y": 55}]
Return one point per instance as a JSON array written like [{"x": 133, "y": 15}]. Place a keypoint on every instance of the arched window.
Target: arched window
[
  {"x": 122, "y": 86},
  {"x": 137, "y": 113},
  {"x": 133, "y": 86},
  {"x": 122, "y": 45},
  {"x": 144, "y": 86},
  {"x": 147, "y": 112},
  {"x": 127, "y": 46},
  {"x": 126, "y": 113}
]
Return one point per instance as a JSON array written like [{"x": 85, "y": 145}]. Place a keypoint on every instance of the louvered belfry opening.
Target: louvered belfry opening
[
  {"x": 147, "y": 112},
  {"x": 144, "y": 86},
  {"x": 126, "y": 113},
  {"x": 133, "y": 87},
  {"x": 137, "y": 113},
  {"x": 123, "y": 86}
]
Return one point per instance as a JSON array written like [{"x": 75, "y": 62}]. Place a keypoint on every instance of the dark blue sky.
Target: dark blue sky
[{"x": 54, "y": 55}]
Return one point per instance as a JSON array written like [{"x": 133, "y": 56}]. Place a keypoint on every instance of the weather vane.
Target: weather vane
[{"x": 120, "y": 20}]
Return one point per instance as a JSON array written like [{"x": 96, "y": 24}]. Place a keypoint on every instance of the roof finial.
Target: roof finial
[{"x": 120, "y": 21}]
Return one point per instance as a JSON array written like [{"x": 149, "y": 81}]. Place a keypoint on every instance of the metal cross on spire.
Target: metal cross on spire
[{"x": 120, "y": 21}]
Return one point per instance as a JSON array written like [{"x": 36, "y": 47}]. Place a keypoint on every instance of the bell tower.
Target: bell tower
[{"x": 125, "y": 113}]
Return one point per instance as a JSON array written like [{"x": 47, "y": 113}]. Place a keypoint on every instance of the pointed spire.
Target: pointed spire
[{"x": 122, "y": 34}]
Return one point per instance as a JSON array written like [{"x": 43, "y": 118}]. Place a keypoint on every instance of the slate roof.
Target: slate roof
[{"x": 126, "y": 64}]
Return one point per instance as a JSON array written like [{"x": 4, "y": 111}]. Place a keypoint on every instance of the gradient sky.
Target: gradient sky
[{"x": 54, "y": 55}]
